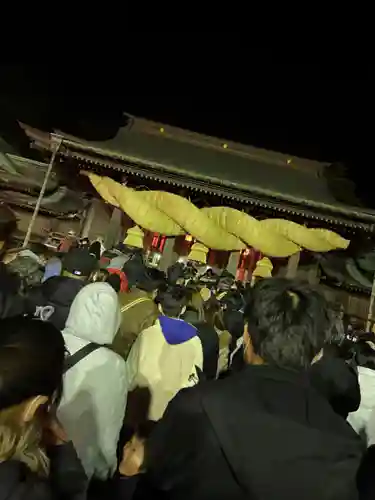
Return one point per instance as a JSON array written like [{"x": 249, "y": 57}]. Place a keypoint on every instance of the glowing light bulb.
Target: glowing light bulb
[
  {"x": 289, "y": 161},
  {"x": 225, "y": 146},
  {"x": 162, "y": 130}
]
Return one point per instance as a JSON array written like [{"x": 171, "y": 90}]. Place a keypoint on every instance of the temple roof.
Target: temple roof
[
  {"x": 231, "y": 170},
  {"x": 21, "y": 180}
]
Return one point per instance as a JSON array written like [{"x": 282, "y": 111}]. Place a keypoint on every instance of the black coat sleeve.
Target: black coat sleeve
[
  {"x": 67, "y": 476},
  {"x": 365, "y": 475},
  {"x": 338, "y": 382},
  {"x": 177, "y": 445},
  {"x": 67, "y": 480}
]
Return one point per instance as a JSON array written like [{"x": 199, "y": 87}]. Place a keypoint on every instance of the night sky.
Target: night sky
[{"x": 318, "y": 112}]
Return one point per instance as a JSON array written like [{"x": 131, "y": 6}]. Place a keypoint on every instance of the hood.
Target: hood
[
  {"x": 176, "y": 331},
  {"x": 95, "y": 314}
]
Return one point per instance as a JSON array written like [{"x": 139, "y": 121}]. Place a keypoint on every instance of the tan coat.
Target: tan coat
[{"x": 138, "y": 312}]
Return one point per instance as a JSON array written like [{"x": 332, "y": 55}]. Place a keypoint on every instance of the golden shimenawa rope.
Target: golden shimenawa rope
[{"x": 219, "y": 228}]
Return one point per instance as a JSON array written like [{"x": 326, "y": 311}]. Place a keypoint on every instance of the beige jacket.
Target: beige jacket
[{"x": 164, "y": 368}]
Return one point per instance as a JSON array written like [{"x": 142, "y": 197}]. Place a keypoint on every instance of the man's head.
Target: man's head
[
  {"x": 286, "y": 324},
  {"x": 79, "y": 263},
  {"x": 172, "y": 301}
]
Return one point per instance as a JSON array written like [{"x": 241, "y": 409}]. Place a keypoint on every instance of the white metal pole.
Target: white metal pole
[{"x": 41, "y": 194}]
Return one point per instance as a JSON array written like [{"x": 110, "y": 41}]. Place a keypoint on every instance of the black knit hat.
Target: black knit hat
[{"x": 79, "y": 262}]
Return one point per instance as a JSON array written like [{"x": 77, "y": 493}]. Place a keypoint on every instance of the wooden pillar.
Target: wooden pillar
[
  {"x": 89, "y": 217},
  {"x": 293, "y": 261},
  {"x": 114, "y": 229},
  {"x": 233, "y": 262},
  {"x": 169, "y": 256},
  {"x": 313, "y": 274}
]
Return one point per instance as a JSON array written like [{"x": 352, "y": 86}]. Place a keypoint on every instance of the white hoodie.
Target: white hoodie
[
  {"x": 95, "y": 389},
  {"x": 363, "y": 420}
]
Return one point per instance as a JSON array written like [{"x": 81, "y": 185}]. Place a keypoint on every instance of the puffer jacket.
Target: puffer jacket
[
  {"x": 51, "y": 301},
  {"x": 95, "y": 389}
]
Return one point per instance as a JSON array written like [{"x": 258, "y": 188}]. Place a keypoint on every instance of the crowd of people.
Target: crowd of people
[{"x": 118, "y": 381}]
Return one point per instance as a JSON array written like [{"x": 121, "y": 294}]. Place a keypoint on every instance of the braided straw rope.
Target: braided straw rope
[{"x": 219, "y": 228}]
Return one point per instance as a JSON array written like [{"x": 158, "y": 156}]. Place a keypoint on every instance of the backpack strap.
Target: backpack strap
[{"x": 82, "y": 353}]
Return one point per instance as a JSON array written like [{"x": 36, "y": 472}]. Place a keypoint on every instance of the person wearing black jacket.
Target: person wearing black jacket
[
  {"x": 11, "y": 304},
  {"x": 36, "y": 460},
  {"x": 264, "y": 433},
  {"x": 337, "y": 379},
  {"x": 51, "y": 301}
]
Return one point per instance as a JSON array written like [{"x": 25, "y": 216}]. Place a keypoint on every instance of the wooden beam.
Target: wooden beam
[
  {"x": 169, "y": 256},
  {"x": 233, "y": 263},
  {"x": 113, "y": 232}
]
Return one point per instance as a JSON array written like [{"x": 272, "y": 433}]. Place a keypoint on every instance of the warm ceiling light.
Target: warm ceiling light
[
  {"x": 162, "y": 130},
  {"x": 225, "y": 146},
  {"x": 289, "y": 161}
]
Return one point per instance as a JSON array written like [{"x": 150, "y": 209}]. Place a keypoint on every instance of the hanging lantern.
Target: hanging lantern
[
  {"x": 198, "y": 253},
  {"x": 134, "y": 237},
  {"x": 246, "y": 263},
  {"x": 158, "y": 242},
  {"x": 263, "y": 269}
]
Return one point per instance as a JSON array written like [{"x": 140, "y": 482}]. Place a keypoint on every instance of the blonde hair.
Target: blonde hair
[{"x": 22, "y": 441}]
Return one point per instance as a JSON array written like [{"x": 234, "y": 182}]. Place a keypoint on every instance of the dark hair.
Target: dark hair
[
  {"x": 173, "y": 299},
  {"x": 150, "y": 280},
  {"x": 288, "y": 322},
  {"x": 115, "y": 281},
  {"x": 32, "y": 357},
  {"x": 95, "y": 249}
]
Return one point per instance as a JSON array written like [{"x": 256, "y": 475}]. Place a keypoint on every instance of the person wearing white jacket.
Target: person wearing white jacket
[
  {"x": 95, "y": 389},
  {"x": 167, "y": 356},
  {"x": 363, "y": 420}
]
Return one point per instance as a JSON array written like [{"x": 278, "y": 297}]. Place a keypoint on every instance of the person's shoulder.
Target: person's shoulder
[
  {"x": 190, "y": 399},
  {"x": 18, "y": 482},
  {"x": 112, "y": 364}
]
